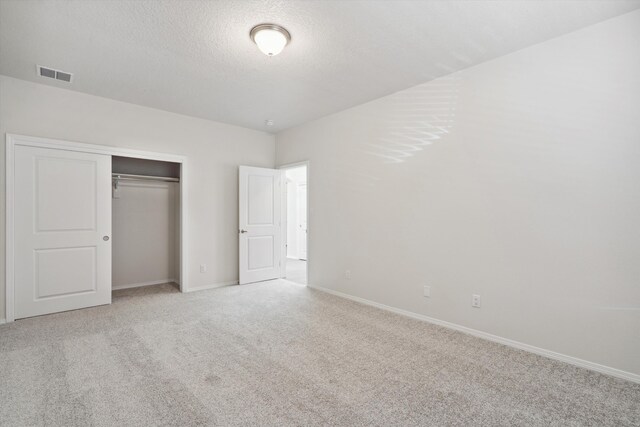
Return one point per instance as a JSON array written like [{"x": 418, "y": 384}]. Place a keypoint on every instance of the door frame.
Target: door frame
[
  {"x": 13, "y": 140},
  {"x": 283, "y": 210}
]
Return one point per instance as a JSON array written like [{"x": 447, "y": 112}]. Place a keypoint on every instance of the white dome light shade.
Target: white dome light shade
[
  {"x": 270, "y": 38},
  {"x": 270, "y": 42}
]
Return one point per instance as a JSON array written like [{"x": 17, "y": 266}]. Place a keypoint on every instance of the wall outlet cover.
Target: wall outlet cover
[{"x": 475, "y": 301}]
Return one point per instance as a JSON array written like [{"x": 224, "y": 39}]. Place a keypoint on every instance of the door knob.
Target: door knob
[
  {"x": 243, "y": 231},
  {"x": 105, "y": 238}
]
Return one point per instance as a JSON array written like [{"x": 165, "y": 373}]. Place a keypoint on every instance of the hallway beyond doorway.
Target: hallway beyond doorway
[{"x": 297, "y": 271}]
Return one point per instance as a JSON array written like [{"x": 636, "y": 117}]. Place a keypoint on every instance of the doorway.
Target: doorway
[
  {"x": 272, "y": 223},
  {"x": 295, "y": 199}
]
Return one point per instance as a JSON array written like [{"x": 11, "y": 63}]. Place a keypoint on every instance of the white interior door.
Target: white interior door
[
  {"x": 259, "y": 233},
  {"x": 62, "y": 230},
  {"x": 302, "y": 221}
]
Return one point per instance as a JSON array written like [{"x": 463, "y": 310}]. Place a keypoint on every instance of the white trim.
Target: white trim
[
  {"x": 283, "y": 270},
  {"x": 12, "y": 140},
  {"x": 141, "y": 284},
  {"x": 212, "y": 286},
  {"x": 8, "y": 236},
  {"x": 295, "y": 165},
  {"x": 284, "y": 224},
  {"x": 629, "y": 376},
  {"x": 184, "y": 176},
  {"x": 34, "y": 141},
  {"x": 3, "y": 321}
]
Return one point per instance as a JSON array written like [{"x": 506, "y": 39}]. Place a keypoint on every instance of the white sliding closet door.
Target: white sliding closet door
[
  {"x": 259, "y": 234},
  {"x": 62, "y": 230}
]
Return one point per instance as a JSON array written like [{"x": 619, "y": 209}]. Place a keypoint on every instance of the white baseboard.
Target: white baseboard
[
  {"x": 629, "y": 376},
  {"x": 139, "y": 285},
  {"x": 212, "y": 286},
  {"x": 3, "y": 321}
]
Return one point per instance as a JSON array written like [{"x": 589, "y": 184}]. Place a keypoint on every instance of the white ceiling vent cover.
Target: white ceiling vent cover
[{"x": 54, "y": 74}]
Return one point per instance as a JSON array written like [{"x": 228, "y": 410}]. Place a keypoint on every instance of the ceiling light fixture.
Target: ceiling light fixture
[{"x": 270, "y": 38}]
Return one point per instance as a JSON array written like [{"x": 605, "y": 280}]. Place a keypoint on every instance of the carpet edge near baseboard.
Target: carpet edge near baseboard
[{"x": 581, "y": 363}]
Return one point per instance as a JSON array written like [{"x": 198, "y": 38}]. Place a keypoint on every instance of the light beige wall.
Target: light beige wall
[
  {"x": 518, "y": 179},
  {"x": 213, "y": 151}
]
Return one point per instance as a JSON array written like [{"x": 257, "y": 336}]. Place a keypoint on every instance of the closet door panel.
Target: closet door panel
[{"x": 62, "y": 230}]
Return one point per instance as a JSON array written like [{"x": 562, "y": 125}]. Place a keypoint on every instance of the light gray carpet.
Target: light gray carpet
[{"x": 276, "y": 353}]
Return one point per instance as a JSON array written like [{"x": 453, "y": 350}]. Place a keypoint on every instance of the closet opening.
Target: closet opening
[{"x": 145, "y": 223}]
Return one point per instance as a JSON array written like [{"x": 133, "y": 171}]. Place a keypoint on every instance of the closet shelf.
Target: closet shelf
[{"x": 131, "y": 177}]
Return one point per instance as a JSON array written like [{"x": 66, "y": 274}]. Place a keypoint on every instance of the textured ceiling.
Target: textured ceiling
[{"x": 196, "y": 58}]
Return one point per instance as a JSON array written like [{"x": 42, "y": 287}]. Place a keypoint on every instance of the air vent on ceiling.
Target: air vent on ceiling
[{"x": 55, "y": 74}]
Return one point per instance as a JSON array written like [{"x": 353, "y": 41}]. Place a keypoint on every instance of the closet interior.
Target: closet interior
[{"x": 145, "y": 222}]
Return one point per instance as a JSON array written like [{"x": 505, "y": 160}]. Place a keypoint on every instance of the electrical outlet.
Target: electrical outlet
[
  {"x": 427, "y": 291},
  {"x": 203, "y": 268},
  {"x": 347, "y": 274},
  {"x": 475, "y": 301}
]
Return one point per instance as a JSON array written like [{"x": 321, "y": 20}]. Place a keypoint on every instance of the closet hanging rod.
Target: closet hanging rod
[{"x": 131, "y": 177}]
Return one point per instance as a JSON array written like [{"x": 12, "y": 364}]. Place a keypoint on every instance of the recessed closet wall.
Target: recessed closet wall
[{"x": 146, "y": 211}]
